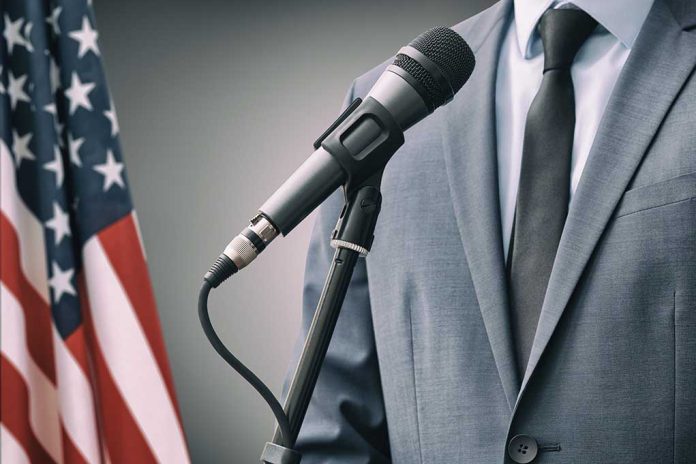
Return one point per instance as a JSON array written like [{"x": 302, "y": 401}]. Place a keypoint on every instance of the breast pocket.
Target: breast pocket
[{"x": 667, "y": 192}]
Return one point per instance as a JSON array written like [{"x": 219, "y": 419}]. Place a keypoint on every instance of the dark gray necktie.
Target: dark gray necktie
[{"x": 543, "y": 195}]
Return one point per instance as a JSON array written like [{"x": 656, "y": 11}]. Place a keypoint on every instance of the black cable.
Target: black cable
[{"x": 245, "y": 372}]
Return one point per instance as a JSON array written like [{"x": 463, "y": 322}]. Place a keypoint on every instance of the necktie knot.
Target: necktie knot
[{"x": 563, "y": 31}]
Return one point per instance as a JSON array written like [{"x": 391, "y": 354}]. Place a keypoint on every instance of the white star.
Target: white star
[
  {"x": 50, "y": 108},
  {"x": 15, "y": 89},
  {"x": 74, "y": 149},
  {"x": 59, "y": 224},
  {"x": 13, "y": 33},
  {"x": 56, "y": 166},
  {"x": 87, "y": 37},
  {"x": 111, "y": 170},
  {"x": 53, "y": 20},
  {"x": 111, "y": 116},
  {"x": 77, "y": 94},
  {"x": 60, "y": 282},
  {"x": 27, "y": 36},
  {"x": 20, "y": 147},
  {"x": 54, "y": 75}
]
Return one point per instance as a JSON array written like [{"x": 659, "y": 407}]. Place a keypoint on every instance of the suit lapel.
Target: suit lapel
[
  {"x": 661, "y": 60},
  {"x": 469, "y": 144}
]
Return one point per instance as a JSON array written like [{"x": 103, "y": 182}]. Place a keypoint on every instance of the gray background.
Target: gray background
[{"x": 218, "y": 102}]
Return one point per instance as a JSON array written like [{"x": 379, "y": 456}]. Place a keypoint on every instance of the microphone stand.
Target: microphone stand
[{"x": 352, "y": 239}]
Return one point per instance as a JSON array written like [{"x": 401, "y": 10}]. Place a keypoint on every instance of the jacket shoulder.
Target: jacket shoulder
[{"x": 474, "y": 30}]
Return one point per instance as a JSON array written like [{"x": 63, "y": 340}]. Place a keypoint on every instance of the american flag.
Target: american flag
[{"x": 85, "y": 376}]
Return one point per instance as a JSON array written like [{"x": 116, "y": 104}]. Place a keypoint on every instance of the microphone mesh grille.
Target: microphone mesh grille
[
  {"x": 435, "y": 94},
  {"x": 449, "y": 51}
]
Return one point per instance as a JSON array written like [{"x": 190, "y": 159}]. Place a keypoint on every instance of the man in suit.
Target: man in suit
[{"x": 530, "y": 295}]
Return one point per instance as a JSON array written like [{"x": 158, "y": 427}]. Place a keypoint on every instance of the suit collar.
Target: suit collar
[
  {"x": 661, "y": 61},
  {"x": 469, "y": 146},
  {"x": 622, "y": 18}
]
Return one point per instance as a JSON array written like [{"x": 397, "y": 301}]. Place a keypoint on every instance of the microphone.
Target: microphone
[{"x": 424, "y": 75}]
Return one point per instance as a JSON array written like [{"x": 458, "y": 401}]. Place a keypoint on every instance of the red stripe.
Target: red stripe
[
  {"x": 121, "y": 244},
  {"x": 124, "y": 439},
  {"x": 71, "y": 455},
  {"x": 77, "y": 345},
  {"x": 37, "y": 313},
  {"x": 15, "y": 413}
]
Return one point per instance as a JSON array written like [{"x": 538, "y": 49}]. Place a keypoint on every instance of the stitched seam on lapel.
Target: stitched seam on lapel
[
  {"x": 502, "y": 18},
  {"x": 415, "y": 384},
  {"x": 445, "y": 135}
]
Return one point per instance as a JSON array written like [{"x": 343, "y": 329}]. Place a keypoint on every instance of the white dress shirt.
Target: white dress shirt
[{"x": 594, "y": 72}]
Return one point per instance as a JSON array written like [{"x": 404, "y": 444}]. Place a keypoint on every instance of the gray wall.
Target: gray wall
[{"x": 219, "y": 101}]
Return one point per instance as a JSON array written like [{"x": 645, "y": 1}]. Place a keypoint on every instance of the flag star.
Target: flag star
[
  {"x": 54, "y": 75},
  {"x": 13, "y": 33},
  {"x": 27, "y": 35},
  {"x": 87, "y": 38},
  {"x": 77, "y": 94},
  {"x": 56, "y": 166},
  {"x": 74, "y": 149},
  {"x": 111, "y": 170},
  {"x": 2, "y": 87},
  {"x": 60, "y": 282},
  {"x": 50, "y": 108},
  {"x": 53, "y": 19},
  {"x": 111, "y": 116},
  {"x": 15, "y": 89},
  {"x": 20, "y": 147},
  {"x": 59, "y": 223}
]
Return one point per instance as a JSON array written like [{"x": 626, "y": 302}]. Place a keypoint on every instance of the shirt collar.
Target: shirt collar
[{"x": 622, "y": 18}]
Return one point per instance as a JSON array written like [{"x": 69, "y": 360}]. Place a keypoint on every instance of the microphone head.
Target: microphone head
[{"x": 439, "y": 62}]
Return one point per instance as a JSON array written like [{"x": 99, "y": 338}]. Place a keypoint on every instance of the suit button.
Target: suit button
[{"x": 523, "y": 449}]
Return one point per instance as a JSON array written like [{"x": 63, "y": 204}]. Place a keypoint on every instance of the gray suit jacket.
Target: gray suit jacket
[{"x": 421, "y": 368}]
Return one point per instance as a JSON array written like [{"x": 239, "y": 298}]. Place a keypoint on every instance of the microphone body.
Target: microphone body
[
  {"x": 425, "y": 75},
  {"x": 323, "y": 172}
]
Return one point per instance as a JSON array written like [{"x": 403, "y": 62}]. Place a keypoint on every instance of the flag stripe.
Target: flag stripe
[
  {"x": 32, "y": 251},
  {"x": 131, "y": 270},
  {"x": 15, "y": 413},
  {"x": 43, "y": 352},
  {"x": 11, "y": 450},
  {"x": 71, "y": 455},
  {"x": 76, "y": 405},
  {"x": 122, "y": 437},
  {"x": 123, "y": 343},
  {"x": 42, "y": 401},
  {"x": 36, "y": 310},
  {"x": 77, "y": 345}
]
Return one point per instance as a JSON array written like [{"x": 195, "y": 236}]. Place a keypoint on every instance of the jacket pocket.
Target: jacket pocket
[{"x": 662, "y": 193}]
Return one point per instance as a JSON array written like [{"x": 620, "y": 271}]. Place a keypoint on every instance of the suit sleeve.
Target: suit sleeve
[{"x": 345, "y": 421}]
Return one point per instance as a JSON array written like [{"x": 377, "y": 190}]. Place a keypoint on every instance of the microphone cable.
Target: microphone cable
[{"x": 237, "y": 365}]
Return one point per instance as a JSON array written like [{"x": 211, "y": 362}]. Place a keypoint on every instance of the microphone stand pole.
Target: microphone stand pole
[{"x": 352, "y": 238}]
